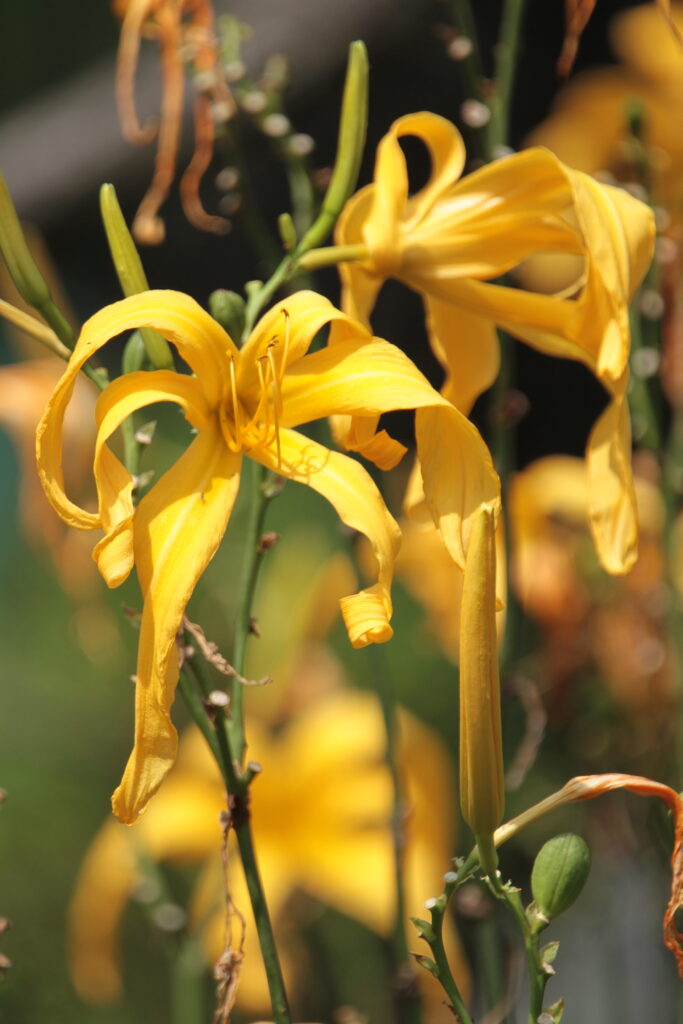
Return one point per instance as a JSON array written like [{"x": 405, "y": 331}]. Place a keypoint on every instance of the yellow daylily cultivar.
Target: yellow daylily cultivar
[
  {"x": 453, "y": 239},
  {"x": 241, "y": 402}
]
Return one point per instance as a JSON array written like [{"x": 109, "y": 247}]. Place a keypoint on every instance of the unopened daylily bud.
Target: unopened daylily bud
[
  {"x": 129, "y": 270},
  {"x": 481, "y": 754},
  {"x": 559, "y": 874},
  {"x": 228, "y": 309},
  {"x": 23, "y": 269},
  {"x": 287, "y": 230},
  {"x": 351, "y": 142}
]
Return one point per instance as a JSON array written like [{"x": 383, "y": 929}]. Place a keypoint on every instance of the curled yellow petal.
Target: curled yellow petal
[{"x": 358, "y": 503}]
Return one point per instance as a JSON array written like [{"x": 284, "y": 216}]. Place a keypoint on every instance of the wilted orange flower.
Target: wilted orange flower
[
  {"x": 180, "y": 27},
  {"x": 586, "y": 787},
  {"x": 577, "y": 16}
]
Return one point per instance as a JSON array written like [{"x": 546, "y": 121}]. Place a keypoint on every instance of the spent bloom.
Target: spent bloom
[
  {"x": 453, "y": 239},
  {"x": 586, "y": 787},
  {"x": 240, "y": 402},
  {"x": 179, "y": 26}
]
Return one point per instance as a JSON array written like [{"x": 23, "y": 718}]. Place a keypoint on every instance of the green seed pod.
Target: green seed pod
[
  {"x": 559, "y": 874},
  {"x": 229, "y": 310}
]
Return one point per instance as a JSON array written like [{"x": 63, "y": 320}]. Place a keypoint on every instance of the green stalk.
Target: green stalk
[
  {"x": 254, "y": 477},
  {"x": 352, "y": 129},
  {"x": 237, "y": 785},
  {"x": 472, "y": 72},
  {"x": 441, "y": 968},
  {"x": 507, "y": 50}
]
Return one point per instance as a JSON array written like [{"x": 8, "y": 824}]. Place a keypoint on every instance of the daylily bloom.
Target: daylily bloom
[
  {"x": 586, "y": 787},
  {"x": 619, "y": 629},
  {"x": 321, "y": 813},
  {"x": 179, "y": 26},
  {"x": 588, "y": 123},
  {"x": 452, "y": 239},
  {"x": 242, "y": 402}
]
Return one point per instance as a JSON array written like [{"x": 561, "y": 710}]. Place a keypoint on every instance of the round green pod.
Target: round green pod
[{"x": 559, "y": 873}]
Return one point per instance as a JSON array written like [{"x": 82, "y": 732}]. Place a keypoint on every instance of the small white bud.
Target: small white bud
[
  {"x": 459, "y": 48},
  {"x": 276, "y": 125},
  {"x": 254, "y": 102},
  {"x": 301, "y": 144},
  {"x": 475, "y": 114}
]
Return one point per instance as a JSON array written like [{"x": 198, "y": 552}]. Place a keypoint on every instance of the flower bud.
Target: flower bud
[
  {"x": 129, "y": 270},
  {"x": 24, "y": 270},
  {"x": 559, "y": 874},
  {"x": 481, "y": 754},
  {"x": 228, "y": 309}
]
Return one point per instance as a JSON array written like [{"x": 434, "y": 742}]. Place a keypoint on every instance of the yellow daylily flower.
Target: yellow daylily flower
[
  {"x": 334, "y": 843},
  {"x": 240, "y": 402},
  {"x": 588, "y": 122},
  {"x": 452, "y": 239}
]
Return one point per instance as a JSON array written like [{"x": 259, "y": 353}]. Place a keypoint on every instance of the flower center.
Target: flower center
[{"x": 257, "y": 426}]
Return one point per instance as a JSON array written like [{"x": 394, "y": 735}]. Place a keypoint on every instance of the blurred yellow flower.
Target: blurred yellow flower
[
  {"x": 239, "y": 402},
  {"x": 588, "y": 125},
  {"x": 452, "y": 239},
  {"x": 321, "y": 813},
  {"x": 184, "y": 29},
  {"x": 618, "y": 629},
  {"x": 24, "y": 391},
  {"x": 577, "y": 16}
]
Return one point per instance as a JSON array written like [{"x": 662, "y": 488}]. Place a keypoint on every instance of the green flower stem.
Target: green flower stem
[
  {"x": 506, "y": 51},
  {"x": 254, "y": 477},
  {"x": 237, "y": 785},
  {"x": 197, "y": 710},
  {"x": 408, "y": 1003},
  {"x": 472, "y": 73},
  {"x": 331, "y": 255},
  {"x": 276, "y": 986},
  {"x": 538, "y": 978},
  {"x": 352, "y": 129},
  {"x": 441, "y": 969},
  {"x": 647, "y": 415}
]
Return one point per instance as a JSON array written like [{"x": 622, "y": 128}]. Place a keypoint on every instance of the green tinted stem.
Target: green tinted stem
[
  {"x": 254, "y": 477},
  {"x": 507, "y": 51}
]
